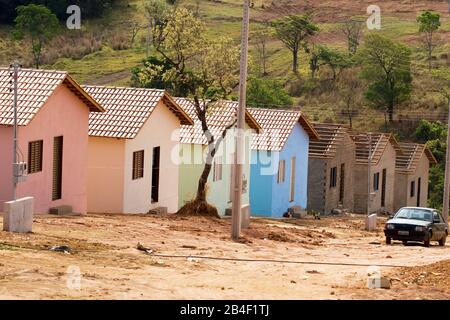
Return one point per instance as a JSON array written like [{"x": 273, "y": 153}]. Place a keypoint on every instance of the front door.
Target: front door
[
  {"x": 57, "y": 168},
  {"x": 155, "y": 174},
  {"x": 418, "y": 191},
  {"x": 383, "y": 189}
]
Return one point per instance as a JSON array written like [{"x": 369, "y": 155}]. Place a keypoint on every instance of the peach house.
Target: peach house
[
  {"x": 130, "y": 151},
  {"x": 53, "y": 117}
]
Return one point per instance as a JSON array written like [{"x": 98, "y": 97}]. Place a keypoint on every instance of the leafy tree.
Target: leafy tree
[
  {"x": 429, "y": 23},
  {"x": 156, "y": 12},
  {"x": 386, "y": 66},
  {"x": 151, "y": 75},
  {"x": 334, "y": 59},
  {"x": 37, "y": 23},
  {"x": 208, "y": 69},
  {"x": 352, "y": 29},
  {"x": 267, "y": 94},
  {"x": 435, "y": 135},
  {"x": 294, "y": 31}
]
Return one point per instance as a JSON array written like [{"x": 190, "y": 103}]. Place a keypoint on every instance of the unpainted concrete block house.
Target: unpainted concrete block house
[
  {"x": 330, "y": 169},
  {"x": 384, "y": 148},
  {"x": 411, "y": 175},
  {"x": 194, "y": 148},
  {"x": 130, "y": 151},
  {"x": 53, "y": 119},
  {"x": 279, "y": 170}
]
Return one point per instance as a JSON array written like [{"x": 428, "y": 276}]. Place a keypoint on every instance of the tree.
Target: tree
[
  {"x": 261, "y": 38},
  {"x": 434, "y": 134},
  {"x": 386, "y": 66},
  {"x": 267, "y": 93},
  {"x": 334, "y": 59},
  {"x": 350, "y": 91},
  {"x": 39, "y": 24},
  {"x": 294, "y": 31},
  {"x": 429, "y": 23},
  {"x": 352, "y": 29},
  {"x": 156, "y": 12},
  {"x": 208, "y": 69},
  {"x": 315, "y": 61},
  {"x": 152, "y": 75}
]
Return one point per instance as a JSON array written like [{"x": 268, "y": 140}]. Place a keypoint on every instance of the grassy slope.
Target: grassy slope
[{"x": 111, "y": 66}]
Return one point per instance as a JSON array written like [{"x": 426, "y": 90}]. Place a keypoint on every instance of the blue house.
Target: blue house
[{"x": 279, "y": 168}]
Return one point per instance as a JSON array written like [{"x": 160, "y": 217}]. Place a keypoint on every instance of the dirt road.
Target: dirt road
[{"x": 104, "y": 253}]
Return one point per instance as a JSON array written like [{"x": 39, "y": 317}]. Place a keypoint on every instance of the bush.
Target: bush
[{"x": 267, "y": 94}]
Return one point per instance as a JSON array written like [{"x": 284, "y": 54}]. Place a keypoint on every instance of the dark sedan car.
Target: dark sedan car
[{"x": 417, "y": 224}]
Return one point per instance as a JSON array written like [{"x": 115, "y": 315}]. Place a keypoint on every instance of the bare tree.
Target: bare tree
[
  {"x": 135, "y": 28},
  {"x": 352, "y": 29},
  {"x": 350, "y": 90},
  {"x": 261, "y": 39}
]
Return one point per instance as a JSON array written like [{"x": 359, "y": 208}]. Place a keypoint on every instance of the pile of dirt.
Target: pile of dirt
[
  {"x": 198, "y": 208},
  {"x": 430, "y": 276}
]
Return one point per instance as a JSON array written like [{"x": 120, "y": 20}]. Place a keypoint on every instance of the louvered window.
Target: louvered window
[
  {"x": 138, "y": 164},
  {"x": 35, "y": 156}
]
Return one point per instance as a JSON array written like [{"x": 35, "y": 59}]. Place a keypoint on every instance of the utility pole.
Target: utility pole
[
  {"x": 15, "y": 75},
  {"x": 369, "y": 173},
  {"x": 237, "y": 199},
  {"x": 447, "y": 169}
]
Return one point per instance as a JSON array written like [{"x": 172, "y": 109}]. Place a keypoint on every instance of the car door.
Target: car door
[{"x": 438, "y": 226}]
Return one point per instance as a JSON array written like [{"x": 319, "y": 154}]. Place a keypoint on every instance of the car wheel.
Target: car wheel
[
  {"x": 405, "y": 242},
  {"x": 388, "y": 240},
  {"x": 442, "y": 241},
  {"x": 427, "y": 240}
]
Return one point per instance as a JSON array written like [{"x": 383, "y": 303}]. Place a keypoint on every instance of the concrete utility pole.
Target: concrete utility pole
[
  {"x": 369, "y": 173},
  {"x": 237, "y": 199},
  {"x": 15, "y": 75},
  {"x": 447, "y": 170}
]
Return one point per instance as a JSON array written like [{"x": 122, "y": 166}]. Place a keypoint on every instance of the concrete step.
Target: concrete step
[
  {"x": 159, "y": 211},
  {"x": 63, "y": 211}
]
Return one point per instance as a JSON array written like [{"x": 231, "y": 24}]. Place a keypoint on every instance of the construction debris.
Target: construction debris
[
  {"x": 140, "y": 247},
  {"x": 65, "y": 249}
]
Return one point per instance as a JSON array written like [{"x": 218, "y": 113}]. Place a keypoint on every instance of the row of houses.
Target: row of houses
[{"x": 130, "y": 150}]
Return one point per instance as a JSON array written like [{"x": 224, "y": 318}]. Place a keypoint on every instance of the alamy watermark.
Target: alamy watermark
[{"x": 74, "y": 20}]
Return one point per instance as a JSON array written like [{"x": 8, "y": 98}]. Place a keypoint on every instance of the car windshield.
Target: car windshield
[{"x": 415, "y": 214}]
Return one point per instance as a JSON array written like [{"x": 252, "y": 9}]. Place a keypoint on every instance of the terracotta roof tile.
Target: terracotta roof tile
[
  {"x": 34, "y": 88},
  {"x": 277, "y": 125},
  {"x": 127, "y": 109},
  {"x": 219, "y": 116}
]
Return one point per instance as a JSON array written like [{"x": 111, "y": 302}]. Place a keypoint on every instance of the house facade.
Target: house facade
[
  {"x": 384, "y": 148},
  {"x": 330, "y": 169},
  {"x": 131, "y": 148},
  {"x": 279, "y": 170},
  {"x": 193, "y": 151},
  {"x": 411, "y": 175},
  {"x": 53, "y": 119}
]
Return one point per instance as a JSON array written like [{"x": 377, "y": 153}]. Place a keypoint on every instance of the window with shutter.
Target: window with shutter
[
  {"x": 35, "y": 149},
  {"x": 138, "y": 164}
]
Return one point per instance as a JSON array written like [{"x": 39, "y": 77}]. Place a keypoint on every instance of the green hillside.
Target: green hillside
[{"x": 102, "y": 53}]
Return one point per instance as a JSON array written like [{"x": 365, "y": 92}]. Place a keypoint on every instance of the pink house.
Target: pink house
[
  {"x": 133, "y": 149},
  {"x": 53, "y": 118}
]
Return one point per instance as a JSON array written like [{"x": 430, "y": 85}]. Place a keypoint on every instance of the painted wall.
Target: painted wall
[
  {"x": 62, "y": 115},
  {"x": 106, "y": 161},
  {"x": 6, "y": 159},
  {"x": 158, "y": 131},
  {"x": 218, "y": 192},
  {"x": 296, "y": 146},
  {"x": 261, "y": 183}
]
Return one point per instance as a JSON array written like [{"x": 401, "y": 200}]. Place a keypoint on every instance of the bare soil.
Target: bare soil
[{"x": 274, "y": 259}]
